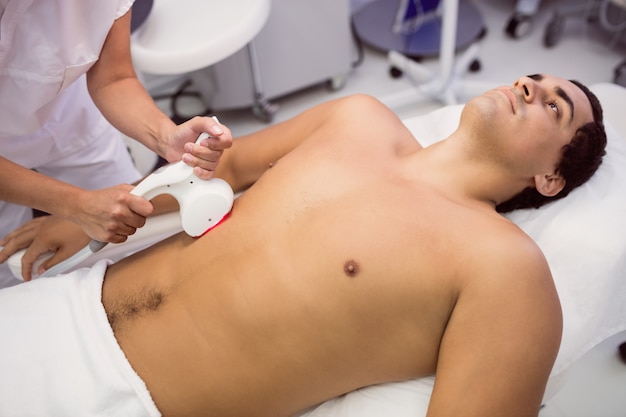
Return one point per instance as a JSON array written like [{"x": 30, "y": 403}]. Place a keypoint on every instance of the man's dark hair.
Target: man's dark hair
[{"x": 579, "y": 160}]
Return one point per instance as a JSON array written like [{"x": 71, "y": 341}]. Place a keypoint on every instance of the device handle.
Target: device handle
[{"x": 151, "y": 186}]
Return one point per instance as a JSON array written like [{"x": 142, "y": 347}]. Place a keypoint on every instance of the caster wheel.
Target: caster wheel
[
  {"x": 263, "y": 114},
  {"x": 482, "y": 34},
  {"x": 395, "y": 72},
  {"x": 336, "y": 83},
  {"x": 553, "y": 33},
  {"x": 264, "y": 110},
  {"x": 519, "y": 25},
  {"x": 619, "y": 78},
  {"x": 475, "y": 66}
]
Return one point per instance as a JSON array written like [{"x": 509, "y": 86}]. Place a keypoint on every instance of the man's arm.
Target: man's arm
[
  {"x": 502, "y": 338},
  {"x": 334, "y": 120},
  {"x": 251, "y": 155}
]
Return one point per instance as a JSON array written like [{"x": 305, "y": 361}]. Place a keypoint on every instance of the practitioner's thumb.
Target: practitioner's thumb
[
  {"x": 57, "y": 257},
  {"x": 141, "y": 206}
]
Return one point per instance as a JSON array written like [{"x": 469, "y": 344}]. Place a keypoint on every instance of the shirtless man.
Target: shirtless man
[{"x": 360, "y": 258}]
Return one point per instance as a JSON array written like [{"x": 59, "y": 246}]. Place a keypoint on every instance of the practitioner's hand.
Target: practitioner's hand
[
  {"x": 205, "y": 156},
  {"x": 43, "y": 235},
  {"x": 110, "y": 214},
  {"x": 20, "y": 238}
]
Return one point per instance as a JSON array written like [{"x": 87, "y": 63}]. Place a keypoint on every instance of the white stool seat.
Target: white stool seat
[{"x": 181, "y": 36}]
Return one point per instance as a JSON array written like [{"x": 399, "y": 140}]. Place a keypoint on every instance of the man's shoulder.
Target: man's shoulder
[
  {"x": 510, "y": 277},
  {"x": 504, "y": 332},
  {"x": 507, "y": 253}
]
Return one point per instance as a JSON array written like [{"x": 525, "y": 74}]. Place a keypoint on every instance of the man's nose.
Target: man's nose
[{"x": 527, "y": 88}]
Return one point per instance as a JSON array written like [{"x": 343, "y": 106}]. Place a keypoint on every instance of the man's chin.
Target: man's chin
[{"x": 481, "y": 108}]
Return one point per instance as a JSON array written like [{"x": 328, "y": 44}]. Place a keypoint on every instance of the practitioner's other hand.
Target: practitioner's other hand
[
  {"x": 48, "y": 234},
  {"x": 20, "y": 238},
  {"x": 111, "y": 214},
  {"x": 205, "y": 156}
]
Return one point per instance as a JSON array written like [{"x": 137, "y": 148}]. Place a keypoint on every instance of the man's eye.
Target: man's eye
[{"x": 554, "y": 107}]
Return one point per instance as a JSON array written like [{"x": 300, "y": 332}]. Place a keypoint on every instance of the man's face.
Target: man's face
[{"x": 535, "y": 117}]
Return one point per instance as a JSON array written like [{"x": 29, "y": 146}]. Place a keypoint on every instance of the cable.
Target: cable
[{"x": 181, "y": 91}]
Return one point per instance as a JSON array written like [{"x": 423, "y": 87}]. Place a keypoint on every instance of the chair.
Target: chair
[
  {"x": 520, "y": 23},
  {"x": 174, "y": 37}
]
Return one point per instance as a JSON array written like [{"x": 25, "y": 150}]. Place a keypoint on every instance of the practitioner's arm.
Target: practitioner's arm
[
  {"x": 501, "y": 341},
  {"x": 123, "y": 100},
  {"x": 57, "y": 235},
  {"x": 108, "y": 215}
]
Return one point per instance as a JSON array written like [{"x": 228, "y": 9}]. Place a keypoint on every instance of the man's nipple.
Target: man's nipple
[{"x": 351, "y": 268}]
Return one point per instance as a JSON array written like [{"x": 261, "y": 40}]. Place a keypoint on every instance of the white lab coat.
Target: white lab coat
[{"x": 48, "y": 122}]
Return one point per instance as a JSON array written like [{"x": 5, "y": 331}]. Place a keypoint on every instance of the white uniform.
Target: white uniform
[{"x": 48, "y": 122}]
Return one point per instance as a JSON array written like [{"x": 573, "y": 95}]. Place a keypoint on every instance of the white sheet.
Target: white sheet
[{"x": 584, "y": 240}]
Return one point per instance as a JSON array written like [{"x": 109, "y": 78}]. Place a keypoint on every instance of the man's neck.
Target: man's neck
[{"x": 449, "y": 167}]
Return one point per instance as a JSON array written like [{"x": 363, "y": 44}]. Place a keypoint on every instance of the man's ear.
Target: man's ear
[{"x": 549, "y": 185}]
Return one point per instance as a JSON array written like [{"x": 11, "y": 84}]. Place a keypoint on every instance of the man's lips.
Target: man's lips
[{"x": 510, "y": 96}]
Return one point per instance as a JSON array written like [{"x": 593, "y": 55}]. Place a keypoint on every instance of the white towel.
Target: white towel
[{"x": 58, "y": 354}]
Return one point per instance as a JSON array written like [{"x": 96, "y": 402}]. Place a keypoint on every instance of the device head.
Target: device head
[{"x": 203, "y": 204}]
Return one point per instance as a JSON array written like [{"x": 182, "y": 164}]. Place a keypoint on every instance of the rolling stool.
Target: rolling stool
[
  {"x": 412, "y": 29},
  {"x": 520, "y": 23},
  {"x": 141, "y": 10}
]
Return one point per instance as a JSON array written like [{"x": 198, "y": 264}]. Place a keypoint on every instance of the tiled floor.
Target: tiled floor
[{"x": 596, "y": 386}]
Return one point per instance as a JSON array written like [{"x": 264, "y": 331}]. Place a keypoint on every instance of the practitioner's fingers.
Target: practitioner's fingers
[
  {"x": 29, "y": 258},
  {"x": 203, "y": 156},
  {"x": 205, "y": 164},
  {"x": 20, "y": 238},
  {"x": 60, "y": 237},
  {"x": 61, "y": 254},
  {"x": 112, "y": 214}
]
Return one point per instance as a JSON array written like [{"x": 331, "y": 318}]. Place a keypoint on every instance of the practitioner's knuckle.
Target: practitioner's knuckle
[
  {"x": 203, "y": 174},
  {"x": 118, "y": 213},
  {"x": 109, "y": 231}
]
